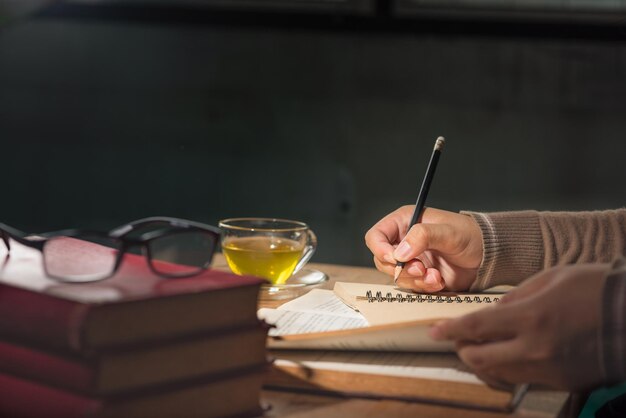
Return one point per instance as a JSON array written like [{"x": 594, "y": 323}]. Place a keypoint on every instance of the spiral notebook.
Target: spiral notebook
[{"x": 387, "y": 304}]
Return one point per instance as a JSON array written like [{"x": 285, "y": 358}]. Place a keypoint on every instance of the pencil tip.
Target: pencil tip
[{"x": 396, "y": 274}]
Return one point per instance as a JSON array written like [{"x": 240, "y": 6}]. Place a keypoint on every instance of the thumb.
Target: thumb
[{"x": 422, "y": 237}]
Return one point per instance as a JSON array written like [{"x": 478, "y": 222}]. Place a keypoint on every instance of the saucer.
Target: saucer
[{"x": 298, "y": 284}]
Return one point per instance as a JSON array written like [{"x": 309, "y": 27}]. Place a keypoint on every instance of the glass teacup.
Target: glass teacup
[{"x": 274, "y": 249}]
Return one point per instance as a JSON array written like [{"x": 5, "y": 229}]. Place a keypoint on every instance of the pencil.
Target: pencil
[{"x": 421, "y": 197}]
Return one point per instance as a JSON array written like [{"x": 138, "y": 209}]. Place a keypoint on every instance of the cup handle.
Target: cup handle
[{"x": 309, "y": 250}]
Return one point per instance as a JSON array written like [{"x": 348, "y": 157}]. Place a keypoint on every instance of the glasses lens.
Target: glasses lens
[
  {"x": 181, "y": 253},
  {"x": 80, "y": 259}
]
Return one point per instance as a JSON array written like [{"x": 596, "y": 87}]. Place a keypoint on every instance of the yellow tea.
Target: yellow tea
[{"x": 273, "y": 258}]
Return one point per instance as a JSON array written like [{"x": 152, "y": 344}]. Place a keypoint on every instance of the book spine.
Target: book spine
[
  {"x": 40, "y": 366},
  {"x": 41, "y": 319},
  {"x": 89, "y": 373},
  {"x": 215, "y": 395},
  {"x": 23, "y": 399}
]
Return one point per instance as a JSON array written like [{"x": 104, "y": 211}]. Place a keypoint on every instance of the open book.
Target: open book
[{"x": 371, "y": 340}]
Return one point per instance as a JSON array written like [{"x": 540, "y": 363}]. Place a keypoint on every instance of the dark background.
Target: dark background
[{"x": 325, "y": 114}]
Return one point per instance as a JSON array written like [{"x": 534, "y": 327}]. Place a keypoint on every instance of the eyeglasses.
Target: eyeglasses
[{"x": 173, "y": 248}]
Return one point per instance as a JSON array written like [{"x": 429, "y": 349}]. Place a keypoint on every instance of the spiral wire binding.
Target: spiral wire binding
[{"x": 399, "y": 297}]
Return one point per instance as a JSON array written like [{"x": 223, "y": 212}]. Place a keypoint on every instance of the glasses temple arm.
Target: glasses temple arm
[
  {"x": 5, "y": 239},
  {"x": 122, "y": 230},
  {"x": 9, "y": 233}
]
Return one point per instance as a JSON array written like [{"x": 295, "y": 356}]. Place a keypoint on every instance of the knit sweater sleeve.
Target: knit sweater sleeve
[{"x": 519, "y": 244}]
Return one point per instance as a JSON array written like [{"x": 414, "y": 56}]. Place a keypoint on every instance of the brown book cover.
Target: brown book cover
[
  {"x": 131, "y": 307},
  {"x": 438, "y": 378}
]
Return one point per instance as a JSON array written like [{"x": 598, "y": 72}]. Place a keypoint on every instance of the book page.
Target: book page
[
  {"x": 317, "y": 311},
  {"x": 446, "y": 367},
  {"x": 404, "y": 337},
  {"x": 320, "y": 300}
]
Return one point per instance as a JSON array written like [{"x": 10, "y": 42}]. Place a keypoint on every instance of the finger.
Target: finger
[
  {"x": 524, "y": 372},
  {"x": 411, "y": 270},
  {"x": 380, "y": 247},
  {"x": 528, "y": 288},
  {"x": 528, "y": 372},
  {"x": 388, "y": 231},
  {"x": 381, "y": 237},
  {"x": 491, "y": 357},
  {"x": 422, "y": 237},
  {"x": 414, "y": 268},
  {"x": 495, "y": 382},
  {"x": 433, "y": 281},
  {"x": 489, "y": 324},
  {"x": 430, "y": 282},
  {"x": 384, "y": 267}
]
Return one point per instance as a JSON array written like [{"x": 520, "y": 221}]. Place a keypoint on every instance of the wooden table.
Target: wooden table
[{"x": 537, "y": 403}]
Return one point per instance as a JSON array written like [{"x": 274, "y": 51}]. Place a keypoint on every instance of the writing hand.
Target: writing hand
[
  {"x": 444, "y": 250},
  {"x": 546, "y": 331}
]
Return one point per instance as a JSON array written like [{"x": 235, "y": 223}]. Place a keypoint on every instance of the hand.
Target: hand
[
  {"x": 546, "y": 331},
  {"x": 444, "y": 250}
]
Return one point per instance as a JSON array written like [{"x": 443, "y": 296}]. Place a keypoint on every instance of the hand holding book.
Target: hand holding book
[{"x": 545, "y": 331}]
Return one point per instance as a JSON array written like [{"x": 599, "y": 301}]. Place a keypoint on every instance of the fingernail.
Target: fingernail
[
  {"x": 389, "y": 258},
  {"x": 435, "y": 332},
  {"x": 403, "y": 251},
  {"x": 414, "y": 270},
  {"x": 430, "y": 279}
]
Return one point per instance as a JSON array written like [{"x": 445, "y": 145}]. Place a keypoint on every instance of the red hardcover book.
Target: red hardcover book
[
  {"x": 131, "y": 307},
  {"x": 236, "y": 394},
  {"x": 137, "y": 367}
]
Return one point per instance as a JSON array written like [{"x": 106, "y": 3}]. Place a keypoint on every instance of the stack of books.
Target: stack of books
[
  {"x": 371, "y": 340},
  {"x": 134, "y": 345}
]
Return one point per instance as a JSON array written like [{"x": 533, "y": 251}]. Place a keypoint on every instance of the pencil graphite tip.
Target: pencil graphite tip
[
  {"x": 396, "y": 274},
  {"x": 439, "y": 143}
]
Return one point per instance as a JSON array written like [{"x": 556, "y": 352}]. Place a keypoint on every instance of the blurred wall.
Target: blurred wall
[{"x": 105, "y": 122}]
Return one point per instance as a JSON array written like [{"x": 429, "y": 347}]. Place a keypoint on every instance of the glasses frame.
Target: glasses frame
[{"x": 171, "y": 226}]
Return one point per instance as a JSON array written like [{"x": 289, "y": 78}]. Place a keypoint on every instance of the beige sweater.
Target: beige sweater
[{"x": 519, "y": 244}]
